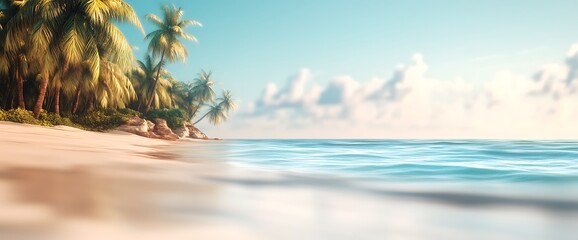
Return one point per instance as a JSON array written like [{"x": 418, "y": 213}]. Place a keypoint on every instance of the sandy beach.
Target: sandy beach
[{"x": 65, "y": 183}]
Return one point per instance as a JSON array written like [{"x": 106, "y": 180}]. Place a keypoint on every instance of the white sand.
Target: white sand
[{"x": 64, "y": 183}]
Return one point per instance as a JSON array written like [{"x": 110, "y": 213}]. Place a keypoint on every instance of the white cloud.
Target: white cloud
[
  {"x": 291, "y": 96},
  {"x": 410, "y": 104},
  {"x": 339, "y": 90}
]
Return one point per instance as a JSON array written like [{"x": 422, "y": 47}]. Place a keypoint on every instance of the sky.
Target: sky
[{"x": 385, "y": 69}]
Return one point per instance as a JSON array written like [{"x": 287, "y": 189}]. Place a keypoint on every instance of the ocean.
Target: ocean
[
  {"x": 408, "y": 189},
  {"x": 546, "y": 163}
]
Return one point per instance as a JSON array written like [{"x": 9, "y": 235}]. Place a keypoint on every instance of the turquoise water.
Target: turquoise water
[
  {"x": 480, "y": 161},
  {"x": 442, "y": 189}
]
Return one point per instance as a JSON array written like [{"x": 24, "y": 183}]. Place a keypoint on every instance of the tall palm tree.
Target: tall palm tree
[
  {"x": 20, "y": 62},
  {"x": 165, "y": 40},
  {"x": 220, "y": 112},
  {"x": 77, "y": 31},
  {"x": 14, "y": 63}
]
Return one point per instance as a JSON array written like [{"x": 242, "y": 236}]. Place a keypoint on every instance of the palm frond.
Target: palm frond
[{"x": 165, "y": 39}]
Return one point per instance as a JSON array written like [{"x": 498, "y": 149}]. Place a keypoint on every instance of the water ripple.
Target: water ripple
[{"x": 414, "y": 160}]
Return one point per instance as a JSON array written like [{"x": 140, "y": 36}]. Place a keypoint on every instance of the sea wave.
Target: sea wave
[{"x": 414, "y": 160}]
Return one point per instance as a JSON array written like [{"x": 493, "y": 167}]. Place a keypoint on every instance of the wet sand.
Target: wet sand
[{"x": 64, "y": 183}]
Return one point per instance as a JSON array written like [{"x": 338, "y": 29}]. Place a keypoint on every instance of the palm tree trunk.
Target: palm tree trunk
[
  {"x": 148, "y": 107},
  {"x": 12, "y": 102},
  {"x": 77, "y": 98},
  {"x": 202, "y": 117},
  {"x": 90, "y": 105},
  {"x": 139, "y": 105},
  {"x": 196, "y": 110},
  {"x": 20, "y": 81},
  {"x": 57, "y": 101},
  {"x": 41, "y": 95}
]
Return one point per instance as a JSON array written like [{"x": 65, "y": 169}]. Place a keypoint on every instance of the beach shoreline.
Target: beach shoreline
[
  {"x": 66, "y": 183},
  {"x": 55, "y": 143}
]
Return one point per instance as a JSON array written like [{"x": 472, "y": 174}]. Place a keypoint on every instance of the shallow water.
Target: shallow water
[
  {"x": 463, "y": 189},
  {"x": 553, "y": 163}
]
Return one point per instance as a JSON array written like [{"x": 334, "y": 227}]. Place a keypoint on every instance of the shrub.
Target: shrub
[
  {"x": 22, "y": 116},
  {"x": 99, "y": 120},
  {"x": 128, "y": 111},
  {"x": 174, "y": 117},
  {"x": 103, "y": 119},
  {"x": 56, "y": 120},
  {"x": 3, "y": 115}
]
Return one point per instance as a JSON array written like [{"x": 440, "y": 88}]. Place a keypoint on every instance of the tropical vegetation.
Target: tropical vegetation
[{"x": 67, "y": 62}]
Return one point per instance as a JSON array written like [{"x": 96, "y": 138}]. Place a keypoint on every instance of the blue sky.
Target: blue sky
[{"x": 250, "y": 43}]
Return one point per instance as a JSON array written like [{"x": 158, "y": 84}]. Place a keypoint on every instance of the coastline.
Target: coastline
[
  {"x": 65, "y": 183},
  {"x": 67, "y": 146}
]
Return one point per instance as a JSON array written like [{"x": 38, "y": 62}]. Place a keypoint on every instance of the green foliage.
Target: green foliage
[
  {"x": 99, "y": 61},
  {"x": 21, "y": 116},
  {"x": 55, "y": 120},
  {"x": 103, "y": 119},
  {"x": 3, "y": 115},
  {"x": 129, "y": 112},
  {"x": 175, "y": 117},
  {"x": 46, "y": 118},
  {"x": 219, "y": 112},
  {"x": 99, "y": 120}
]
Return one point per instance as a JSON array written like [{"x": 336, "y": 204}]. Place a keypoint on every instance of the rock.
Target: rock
[
  {"x": 182, "y": 131},
  {"x": 157, "y": 130},
  {"x": 135, "y": 125},
  {"x": 195, "y": 132},
  {"x": 151, "y": 125},
  {"x": 135, "y": 121},
  {"x": 162, "y": 129}
]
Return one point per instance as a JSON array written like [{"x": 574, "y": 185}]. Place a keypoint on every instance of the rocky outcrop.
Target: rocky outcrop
[
  {"x": 182, "y": 131},
  {"x": 160, "y": 130},
  {"x": 195, "y": 132},
  {"x": 151, "y": 125},
  {"x": 136, "y": 126},
  {"x": 163, "y": 131},
  {"x": 142, "y": 127}
]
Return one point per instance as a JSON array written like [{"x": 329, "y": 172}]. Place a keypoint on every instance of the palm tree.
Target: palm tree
[
  {"x": 114, "y": 88},
  {"x": 143, "y": 81},
  {"x": 14, "y": 63},
  {"x": 16, "y": 57},
  {"x": 179, "y": 94},
  {"x": 78, "y": 32},
  {"x": 165, "y": 41},
  {"x": 227, "y": 102},
  {"x": 219, "y": 112},
  {"x": 202, "y": 91}
]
